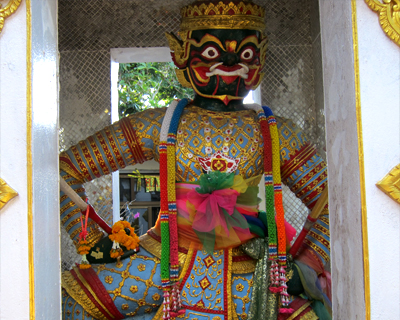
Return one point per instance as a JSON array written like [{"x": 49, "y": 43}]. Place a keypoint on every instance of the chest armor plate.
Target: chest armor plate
[{"x": 201, "y": 133}]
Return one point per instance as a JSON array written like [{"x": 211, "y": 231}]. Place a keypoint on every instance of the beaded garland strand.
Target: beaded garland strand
[
  {"x": 169, "y": 228},
  {"x": 168, "y": 219},
  {"x": 269, "y": 199},
  {"x": 164, "y": 223},
  {"x": 173, "y": 226},
  {"x": 273, "y": 199},
  {"x": 280, "y": 214}
]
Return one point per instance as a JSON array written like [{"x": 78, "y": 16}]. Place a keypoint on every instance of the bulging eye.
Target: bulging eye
[
  {"x": 247, "y": 54},
  {"x": 210, "y": 53}
]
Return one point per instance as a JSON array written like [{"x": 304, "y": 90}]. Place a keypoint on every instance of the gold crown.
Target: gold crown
[{"x": 223, "y": 15}]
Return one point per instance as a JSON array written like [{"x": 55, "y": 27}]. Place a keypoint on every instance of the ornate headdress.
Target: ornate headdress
[
  {"x": 204, "y": 15},
  {"x": 222, "y": 15}
]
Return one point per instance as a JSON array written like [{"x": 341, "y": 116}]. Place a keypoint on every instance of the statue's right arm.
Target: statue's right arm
[{"x": 131, "y": 140}]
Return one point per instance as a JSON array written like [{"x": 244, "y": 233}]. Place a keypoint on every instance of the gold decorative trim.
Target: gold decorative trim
[
  {"x": 73, "y": 288},
  {"x": 223, "y": 22},
  {"x": 187, "y": 263},
  {"x": 389, "y": 17},
  {"x": 180, "y": 74},
  {"x": 310, "y": 316},
  {"x": 94, "y": 295},
  {"x": 364, "y": 225},
  {"x": 229, "y": 283},
  {"x": 242, "y": 267},
  {"x": 94, "y": 236},
  {"x": 300, "y": 310},
  {"x": 223, "y": 16},
  {"x": 154, "y": 247},
  {"x": 6, "y": 193},
  {"x": 29, "y": 165},
  {"x": 390, "y": 184},
  {"x": 178, "y": 48},
  {"x": 7, "y": 11}
]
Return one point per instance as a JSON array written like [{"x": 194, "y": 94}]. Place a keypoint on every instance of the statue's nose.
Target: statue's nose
[{"x": 230, "y": 59}]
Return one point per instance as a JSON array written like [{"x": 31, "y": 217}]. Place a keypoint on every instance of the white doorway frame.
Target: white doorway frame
[{"x": 128, "y": 55}]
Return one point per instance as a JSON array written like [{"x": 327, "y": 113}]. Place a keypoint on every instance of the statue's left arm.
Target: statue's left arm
[{"x": 304, "y": 171}]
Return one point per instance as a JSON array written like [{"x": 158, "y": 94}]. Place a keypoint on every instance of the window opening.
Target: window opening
[{"x": 144, "y": 85}]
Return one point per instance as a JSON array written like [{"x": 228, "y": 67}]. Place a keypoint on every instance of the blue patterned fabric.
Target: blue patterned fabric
[
  {"x": 72, "y": 310},
  {"x": 134, "y": 285},
  {"x": 242, "y": 288}
]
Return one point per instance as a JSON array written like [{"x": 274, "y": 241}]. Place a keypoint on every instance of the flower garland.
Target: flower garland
[
  {"x": 120, "y": 237},
  {"x": 273, "y": 192},
  {"x": 84, "y": 247}
]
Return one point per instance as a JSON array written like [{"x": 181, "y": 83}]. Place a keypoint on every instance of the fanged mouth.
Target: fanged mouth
[{"x": 228, "y": 74}]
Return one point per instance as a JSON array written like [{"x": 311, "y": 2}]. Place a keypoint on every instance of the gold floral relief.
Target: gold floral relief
[
  {"x": 109, "y": 279},
  {"x": 389, "y": 17},
  {"x": 134, "y": 289},
  {"x": 156, "y": 297},
  {"x": 148, "y": 310},
  {"x": 7, "y": 11},
  {"x": 6, "y": 192},
  {"x": 390, "y": 184},
  {"x": 141, "y": 267}
]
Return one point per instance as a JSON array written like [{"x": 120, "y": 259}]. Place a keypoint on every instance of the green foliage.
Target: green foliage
[{"x": 148, "y": 85}]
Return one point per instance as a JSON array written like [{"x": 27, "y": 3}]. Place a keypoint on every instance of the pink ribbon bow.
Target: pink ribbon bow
[{"x": 209, "y": 207}]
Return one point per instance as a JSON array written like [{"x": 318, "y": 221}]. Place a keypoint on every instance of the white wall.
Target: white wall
[
  {"x": 359, "y": 292},
  {"x": 380, "y": 105},
  {"x": 343, "y": 160},
  {"x": 45, "y": 171},
  {"x": 30, "y": 290},
  {"x": 14, "y": 273}
]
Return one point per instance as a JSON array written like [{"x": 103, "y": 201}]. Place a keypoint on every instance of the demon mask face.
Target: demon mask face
[
  {"x": 224, "y": 64},
  {"x": 217, "y": 59}
]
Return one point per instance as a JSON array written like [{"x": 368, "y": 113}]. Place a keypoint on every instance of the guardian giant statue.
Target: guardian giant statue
[{"x": 214, "y": 253}]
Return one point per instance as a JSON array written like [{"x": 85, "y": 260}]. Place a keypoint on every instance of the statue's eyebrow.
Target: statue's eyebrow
[
  {"x": 206, "y": 38},
  {"x": 210, "y": 38},
  {"x": 250, "y": 39}
]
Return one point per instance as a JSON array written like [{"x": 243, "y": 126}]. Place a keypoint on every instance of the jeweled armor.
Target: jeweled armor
[{"x": 214, "y": 285}]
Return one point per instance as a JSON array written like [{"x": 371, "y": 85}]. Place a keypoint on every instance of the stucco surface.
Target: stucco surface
[
  {"x": 14, "y": 278},
  {"x": 15, "y": 282},
  {"x": 342, "y": 157},
  {"x": 46, "y": 235},
  {"x": 380, "y": 101}
]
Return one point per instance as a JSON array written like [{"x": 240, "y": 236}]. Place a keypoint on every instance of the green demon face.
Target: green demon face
[
  {"x": 221, "y": 64},
  {"x": 224, "y": 64}
]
